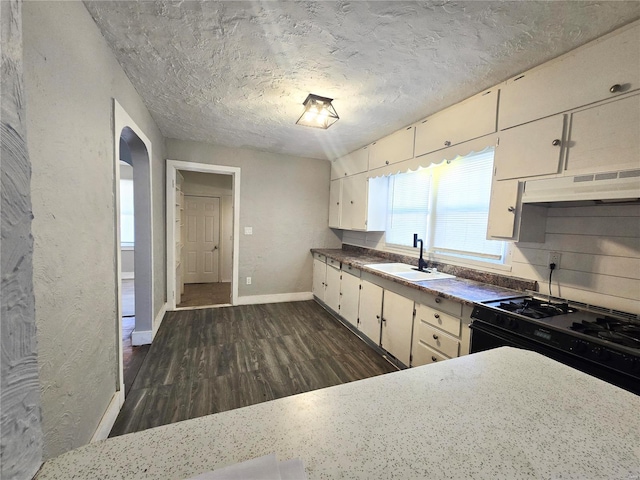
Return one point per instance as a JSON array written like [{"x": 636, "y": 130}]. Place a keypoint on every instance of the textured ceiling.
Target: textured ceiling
[{"x": 236, "y": 73}]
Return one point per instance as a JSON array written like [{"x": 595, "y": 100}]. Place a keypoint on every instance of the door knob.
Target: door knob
[
  {"x": 615, "y": 88},
  {"x": 556, "y": 142},
  {"x": 216, "y": 247},
  {"x": 447, "y": 143},
  {"x": 511, "y": 209},
  {"x": 435, "y": 337}
]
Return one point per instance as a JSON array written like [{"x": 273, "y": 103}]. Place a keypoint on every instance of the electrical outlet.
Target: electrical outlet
[
  {"x": 554, "y": 257},
  {"x": 248, "y": 280}
]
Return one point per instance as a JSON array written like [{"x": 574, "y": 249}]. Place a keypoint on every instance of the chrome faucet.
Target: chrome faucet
[{"x": 421, "y": 263}]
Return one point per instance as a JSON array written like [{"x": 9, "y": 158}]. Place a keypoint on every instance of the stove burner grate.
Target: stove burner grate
[
  {"x": 534, "y": 308},
  {"x": 613, "y": 330}
]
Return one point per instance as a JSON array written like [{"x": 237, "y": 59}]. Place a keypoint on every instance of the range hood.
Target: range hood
[{"x": 591, "y": 189}]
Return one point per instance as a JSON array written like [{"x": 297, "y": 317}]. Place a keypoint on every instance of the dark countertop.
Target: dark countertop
[{"x": 460, "y": 289}]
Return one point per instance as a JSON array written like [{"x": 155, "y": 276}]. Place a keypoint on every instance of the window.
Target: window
[
  {"x": 448, "y": 206},
  {"x": 127, "y": 238}
]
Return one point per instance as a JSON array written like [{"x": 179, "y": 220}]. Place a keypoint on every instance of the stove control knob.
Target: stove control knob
[
  {"x": 631, "y": 364},
  {"x": 601, "y": 353},
  {"x": 578, "y": 346},
  {"x": 513, "y": 324}
]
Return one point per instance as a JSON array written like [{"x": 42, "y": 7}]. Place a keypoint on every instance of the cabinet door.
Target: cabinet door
[
  {"x": 397, "y": 323},
  {"x": 354, "y": 162},
  {"x": 319, "y": 275},
  {"x": 354, "y": 202},
  {"x": 575, "y": 80},
  {"x": 349, "y": 298},
  {"x": 335, "y": 197},
  {"x": 502, "y": 209},
  {"x": 370, "y": 311},
  {"x": 530, "y": 150},
  {"x": 467, "y": 120},
  {"x": 332, "y": 289},
  {"x": 605, "y": 138},
  {"x": 392, "y": 149}
]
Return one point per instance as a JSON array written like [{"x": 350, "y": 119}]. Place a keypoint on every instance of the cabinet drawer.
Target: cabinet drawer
[
  {"x": 438, "y": 319},
  {"x": 422, "y": 354},
  {"x": 437, "y": 339},
  {"x": 351, "y": 270},
  {"x": 333, "y": 263},
  {"x": 319, "y": 256},
  {"x": 442, "y": 304}
]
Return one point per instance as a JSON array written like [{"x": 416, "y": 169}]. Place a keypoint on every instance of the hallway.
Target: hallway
[{"x": 212, "y": 360}]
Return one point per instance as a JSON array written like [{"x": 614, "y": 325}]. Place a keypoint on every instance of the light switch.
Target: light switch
[{"x": 248, "y": 230}]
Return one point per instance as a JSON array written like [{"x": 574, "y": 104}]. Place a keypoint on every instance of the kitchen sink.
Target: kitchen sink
[{"x": 408, "y": 272}]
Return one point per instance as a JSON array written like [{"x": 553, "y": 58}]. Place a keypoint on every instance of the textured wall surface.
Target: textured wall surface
[
  {"x": 286, "y": 201},
  {"x": 20, "y": 425},
  {"x": 71, "y": 77},
  {"x": 236, "y": 72}
]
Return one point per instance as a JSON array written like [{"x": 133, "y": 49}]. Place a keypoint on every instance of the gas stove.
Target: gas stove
[{"x": 601, "y": 342}]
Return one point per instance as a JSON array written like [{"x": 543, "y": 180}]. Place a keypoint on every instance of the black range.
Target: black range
[{"x": 602, "y": 343}]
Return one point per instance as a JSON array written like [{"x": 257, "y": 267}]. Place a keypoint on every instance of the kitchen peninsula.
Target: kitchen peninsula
[{"x": 504, "y": 413}]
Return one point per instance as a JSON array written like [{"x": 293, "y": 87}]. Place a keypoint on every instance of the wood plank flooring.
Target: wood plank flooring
[
  {"x": 132, "y": 357},
  {"x": 204, "y": 294},
  {"x": 213, "y": 360}
]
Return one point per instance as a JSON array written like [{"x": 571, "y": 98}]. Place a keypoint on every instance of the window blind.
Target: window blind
[
  {"x": 462, "y": 208},
  {"x": 408, "y": 210}
]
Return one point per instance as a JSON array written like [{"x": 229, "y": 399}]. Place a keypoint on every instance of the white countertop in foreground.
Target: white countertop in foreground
[{"x": 504, "y": 413}]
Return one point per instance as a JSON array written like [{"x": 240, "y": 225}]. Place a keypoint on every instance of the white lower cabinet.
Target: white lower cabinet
[
  {"x": 349, "y": 298},
  {"x": 397, "y": 323},
  {"x": 319, "y": 276},
  {"x": 370, "y": 314},
  {"x": 439, "y": 334},
  {"x": 332, "y": 288}
]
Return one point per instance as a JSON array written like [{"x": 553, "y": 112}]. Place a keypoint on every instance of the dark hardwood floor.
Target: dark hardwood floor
[
  {"x": 132, "y": 357},
  {"x": 211, "y": 360},
  {"x": 205, "y": 294}
]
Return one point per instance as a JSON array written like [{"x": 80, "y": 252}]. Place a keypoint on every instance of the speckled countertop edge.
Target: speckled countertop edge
[{"x": 463, "y": 290}]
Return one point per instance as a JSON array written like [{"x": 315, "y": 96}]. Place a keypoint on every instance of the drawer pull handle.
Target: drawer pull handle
[
  {"x": 436, "y": 315},
  {"x": 615, "y": 88},
  {"x": 386, "y": 162},
  {"x": 378, "y": 317},
  {"x": 447, "y": 143},
  {"x": 438, "y": 299},
  {"x": 434, "y": 359},
  {"x": 511, "y": 209},
  {"x": 435, "y": 337},
  {"x": 556, "y": 142}
]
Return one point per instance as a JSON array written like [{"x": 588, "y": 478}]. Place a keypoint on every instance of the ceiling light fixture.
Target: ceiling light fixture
[{"x": 318, "y": 112}]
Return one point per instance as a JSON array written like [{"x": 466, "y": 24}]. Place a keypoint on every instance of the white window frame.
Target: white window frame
[{"x": 430, "y": 254}]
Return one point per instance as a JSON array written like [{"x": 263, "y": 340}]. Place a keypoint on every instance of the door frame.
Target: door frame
[
  {"x": 172, "y": 167},
  {"x": 144, "y": 309}
]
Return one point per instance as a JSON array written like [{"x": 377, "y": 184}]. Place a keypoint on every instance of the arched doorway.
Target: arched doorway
[{"x": 134, "y": 148}]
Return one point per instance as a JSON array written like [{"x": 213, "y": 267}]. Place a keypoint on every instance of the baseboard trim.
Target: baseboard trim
[
  {"x": 110, "y": 415},
  {"x": 276, "y": 298},
  {"x": 128, "y": 275},
  {"x": 141, "y": 337},
  {"x": 159, "y": 317}
]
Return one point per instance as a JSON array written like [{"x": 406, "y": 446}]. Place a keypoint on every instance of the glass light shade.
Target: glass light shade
[{"x": 318, "y": 112}]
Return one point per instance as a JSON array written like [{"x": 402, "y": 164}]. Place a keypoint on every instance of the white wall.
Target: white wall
[
  {"x": 213, "y": 185},
  {"x": 71, "y": 78},
  {"x": 286, "y": 201},
  {"x": 21, "y": 436},
  {"x": 600, "y": 263}
]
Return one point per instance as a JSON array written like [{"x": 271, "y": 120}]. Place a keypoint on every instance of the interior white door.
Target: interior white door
[{"x": 202, "y": 239}]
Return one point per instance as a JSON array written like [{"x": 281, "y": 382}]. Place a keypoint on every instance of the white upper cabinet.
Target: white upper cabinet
[
  {"x": 335, "y": 199},
  {"x": 529, "y": 150},
  {"x": 362, "y": 205},
  {"x": 605, "y": 137},
  {"x": 597, "y": 71},
  {"x": 473, "y": 118},
  {"x": 393, "y": 148},
  {"x": 355, "y": 162}
]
